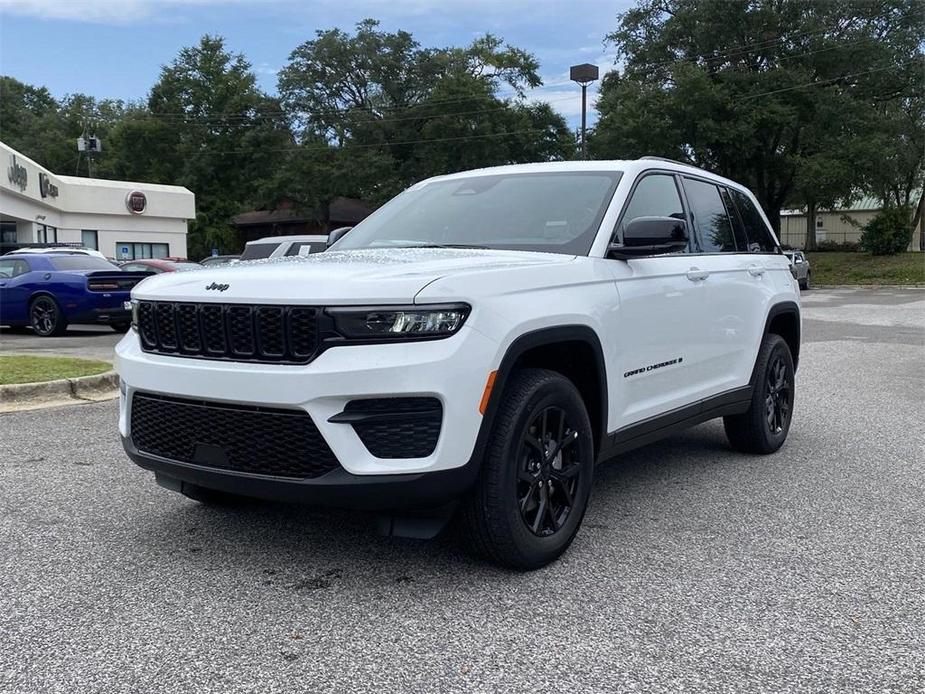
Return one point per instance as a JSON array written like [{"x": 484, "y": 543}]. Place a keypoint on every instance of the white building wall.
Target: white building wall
[{"x": 92, "y": 204}]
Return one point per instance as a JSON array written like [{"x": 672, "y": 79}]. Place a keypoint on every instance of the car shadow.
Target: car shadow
[{"x": 298, "y": 547}]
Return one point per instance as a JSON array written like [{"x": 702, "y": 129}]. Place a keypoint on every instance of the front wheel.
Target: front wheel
[
  {"x": 764, "y": 427},
  {"x": 46, "y": 317},
  {"x": 804, "y": 284},
  {"x": 536, "y": 474}
]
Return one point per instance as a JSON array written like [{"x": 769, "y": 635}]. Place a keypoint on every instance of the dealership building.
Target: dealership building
[{"x": 121, "y": 219}]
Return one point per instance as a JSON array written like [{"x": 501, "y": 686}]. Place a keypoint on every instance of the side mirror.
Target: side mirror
[
  {"x": 650, "y": 236},
  {"x": 337, "y": 234}
]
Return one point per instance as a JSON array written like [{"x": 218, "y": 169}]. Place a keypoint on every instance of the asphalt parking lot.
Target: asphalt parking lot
[{"x": 696, "y": 569}]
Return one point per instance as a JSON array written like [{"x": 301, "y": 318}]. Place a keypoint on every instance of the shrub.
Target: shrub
[
  {"x": 889, "y": 233},
  {"x": 838, "y": 246}
]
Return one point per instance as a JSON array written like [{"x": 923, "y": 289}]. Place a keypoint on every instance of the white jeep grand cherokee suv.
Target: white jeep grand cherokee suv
[{"x": 475, "y": 346}]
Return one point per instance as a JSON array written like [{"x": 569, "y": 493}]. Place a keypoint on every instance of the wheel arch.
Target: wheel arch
[
  {"x": 574, "y": 351},
  {"x": 784, "y": 319}
]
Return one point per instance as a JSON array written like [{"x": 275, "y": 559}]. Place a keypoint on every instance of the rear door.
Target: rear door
[{"x": 732, "y": 289}]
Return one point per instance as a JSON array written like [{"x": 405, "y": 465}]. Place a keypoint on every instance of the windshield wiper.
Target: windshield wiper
[{"x": 446, "y": 245}]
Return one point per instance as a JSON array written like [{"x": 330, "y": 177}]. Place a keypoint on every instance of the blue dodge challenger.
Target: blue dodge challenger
[{"x": 50, "y": 290}]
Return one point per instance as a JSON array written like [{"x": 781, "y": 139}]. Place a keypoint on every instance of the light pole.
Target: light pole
[{"x": 584, "y": 74}]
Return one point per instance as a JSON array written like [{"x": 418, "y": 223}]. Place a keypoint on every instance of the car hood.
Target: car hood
[{"x": 375, "y": 276}]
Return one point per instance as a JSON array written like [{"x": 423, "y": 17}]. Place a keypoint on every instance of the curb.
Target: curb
[{"x": 27, "y": 396}]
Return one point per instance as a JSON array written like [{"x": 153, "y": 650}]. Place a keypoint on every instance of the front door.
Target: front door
[{"x": 663, "y": 350}]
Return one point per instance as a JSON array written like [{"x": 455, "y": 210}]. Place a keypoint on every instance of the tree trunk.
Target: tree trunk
[
  {"x": 918, "y": 220},
  {"x": 810, "y": 243}
]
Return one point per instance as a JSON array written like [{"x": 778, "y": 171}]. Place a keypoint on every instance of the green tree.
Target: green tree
[
  {"x": 408, "y": 112},
  {"x": 31, "y": 122},
  {"x": 208, "y": 127},
  {"x": 746, "y": 87}
]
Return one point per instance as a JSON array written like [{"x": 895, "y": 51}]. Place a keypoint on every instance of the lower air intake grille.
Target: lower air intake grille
[
  {"x": 397, "y": 427},
  {"x": 259, "y": 440}
]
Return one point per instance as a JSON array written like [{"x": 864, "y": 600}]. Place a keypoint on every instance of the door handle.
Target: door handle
[
  {"x": 696, "y": 274},
  {"x": 755, "y": 270}
]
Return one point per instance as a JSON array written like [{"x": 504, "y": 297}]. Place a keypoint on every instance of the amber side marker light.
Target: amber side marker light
[{"x": 486, "y": 394}]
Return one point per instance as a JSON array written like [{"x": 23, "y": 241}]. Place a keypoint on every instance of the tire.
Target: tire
[
  {"x": 46, "y": 317},
  {"x": 519, "y": 515},
  {"x": 120, "y": 327},
  {"x": 212, "y": 497},
  {"x": 804, "y": 284},
  {"x": 764, "y": 427}
]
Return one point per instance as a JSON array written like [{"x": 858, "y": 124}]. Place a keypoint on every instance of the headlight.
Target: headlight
[
  {"x": 135, "y": 315},
  {"x": 377, "y": 323}
]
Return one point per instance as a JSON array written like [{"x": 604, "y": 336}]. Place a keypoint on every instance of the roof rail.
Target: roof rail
[{"x": 671, "y": 161}]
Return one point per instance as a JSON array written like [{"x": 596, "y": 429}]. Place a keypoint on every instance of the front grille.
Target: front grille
[
  {"x": 260, "y": 440},
  {"x": 397, "y": 427},
  {"x": 235, "y": 332}
]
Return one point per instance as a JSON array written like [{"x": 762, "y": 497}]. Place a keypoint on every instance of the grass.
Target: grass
[
  {"x": 24, "y": 369},
  {"x": 864, "y": 268}
]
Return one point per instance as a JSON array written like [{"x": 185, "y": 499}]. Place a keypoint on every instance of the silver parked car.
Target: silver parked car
[{"x": 799, "y": 267}]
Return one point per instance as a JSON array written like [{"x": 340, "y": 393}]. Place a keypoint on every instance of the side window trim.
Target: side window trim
[{"x": 614, "y": 236}]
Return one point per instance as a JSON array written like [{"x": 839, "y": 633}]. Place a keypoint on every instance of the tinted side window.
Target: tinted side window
[
  {"x": 738, "y": 229},
  {"x": 256, "y": 251},
  {"x": 714, "y": 230},
  {"x": 756, "y": 231},
  {"x": 656, "y": 195},
  {"x": 305, "y": 247},
  {"x": 6, "y": 268}
]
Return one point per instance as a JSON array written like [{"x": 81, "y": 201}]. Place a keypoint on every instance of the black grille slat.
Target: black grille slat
[
  {"x": 146, "y": 325},
  {"x": 257, "y": 440},
  {"x": 303, "y": 331},
  {"x": 212, "y": 323},
  {"x": 271, "y": 331},
  {"x": 240, "y": 320},
  {"x": 166, "y": 327},
  {"x": 188, "y": 335},
  {"x": 233, "y": 332}
]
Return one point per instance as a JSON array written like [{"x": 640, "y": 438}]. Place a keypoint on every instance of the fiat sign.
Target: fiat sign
[{"x": 136, "y": 202}]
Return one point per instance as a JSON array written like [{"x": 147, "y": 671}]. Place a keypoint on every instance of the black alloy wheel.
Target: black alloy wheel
[
  {"x": 549, "y": 469},
  {"x": 46, "y": 318},
  {"x": 763, "y": 428},
  {"x": 777, "y": 395}
]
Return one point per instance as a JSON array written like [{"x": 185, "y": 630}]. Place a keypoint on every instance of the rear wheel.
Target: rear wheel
[
  {"x": 764, "y": 427},
  {"x": 120, "y": 327},
  {"x": 46, "y": 317},
  {"x": 536, "y": 474}
]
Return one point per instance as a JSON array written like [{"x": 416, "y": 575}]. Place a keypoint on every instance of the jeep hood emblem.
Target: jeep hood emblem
[{"x": 217, "y": 287}]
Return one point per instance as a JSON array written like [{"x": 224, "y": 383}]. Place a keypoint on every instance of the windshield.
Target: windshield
[
  {"x": 556, "y": 212},
  {"x": 81, "y": 262}
]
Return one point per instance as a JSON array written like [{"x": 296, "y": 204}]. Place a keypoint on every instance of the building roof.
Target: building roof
[{"x": 340, "y": 209}]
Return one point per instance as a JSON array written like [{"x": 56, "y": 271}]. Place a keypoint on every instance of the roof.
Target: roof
[
  {"x": 339, "y": 209},
  {"x": 627, "y": 166},
  {"x": 295, "y": 238}
]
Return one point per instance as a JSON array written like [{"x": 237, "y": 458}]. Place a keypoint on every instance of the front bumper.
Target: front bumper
[
  {"x": 453, "y": 371},
  {"x": 337, "y": 489}
]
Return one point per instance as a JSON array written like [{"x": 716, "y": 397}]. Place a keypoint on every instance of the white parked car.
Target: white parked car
[
  {"x": 62, "y": 249},
  {"x": 477, "y": 346},
  {"x": 283, "y": 246}
]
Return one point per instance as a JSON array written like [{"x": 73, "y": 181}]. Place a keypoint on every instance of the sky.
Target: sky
[{"x": 115, "y": 48}]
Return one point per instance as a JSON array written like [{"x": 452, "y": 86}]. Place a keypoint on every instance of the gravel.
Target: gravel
[{"x": 697, "y": 569}]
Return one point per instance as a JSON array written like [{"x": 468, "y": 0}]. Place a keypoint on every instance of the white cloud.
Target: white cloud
[{"x": 101, "y": 11}]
